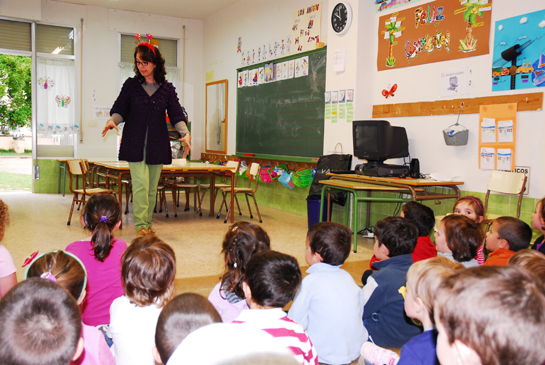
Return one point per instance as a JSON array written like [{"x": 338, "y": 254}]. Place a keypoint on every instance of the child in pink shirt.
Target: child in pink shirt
[{"x": 101, "y": 256}]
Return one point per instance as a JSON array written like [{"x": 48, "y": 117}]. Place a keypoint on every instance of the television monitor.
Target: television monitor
[{"x": 377, "y": 141}]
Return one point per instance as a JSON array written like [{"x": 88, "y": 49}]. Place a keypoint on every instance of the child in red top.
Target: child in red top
[
  {"x": 506, "y": 236},
  {"x": 424, "y": 219}
]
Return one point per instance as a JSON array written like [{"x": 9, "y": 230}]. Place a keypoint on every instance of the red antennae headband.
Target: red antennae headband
[{"x": 146, "y": 44}]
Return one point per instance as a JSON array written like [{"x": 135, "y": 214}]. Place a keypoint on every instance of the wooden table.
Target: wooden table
[
  {"x": 117, "y": 170},
  {"x": 353, "y": 183}
]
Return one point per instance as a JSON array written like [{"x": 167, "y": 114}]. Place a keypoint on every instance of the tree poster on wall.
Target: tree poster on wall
[{"x": 438, "y": 31}]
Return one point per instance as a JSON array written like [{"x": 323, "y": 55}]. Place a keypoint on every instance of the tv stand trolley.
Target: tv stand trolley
[{"x": 353, "y": 183}]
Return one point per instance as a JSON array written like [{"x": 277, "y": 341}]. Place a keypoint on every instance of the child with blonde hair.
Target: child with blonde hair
[
  {"x": 423, "y": 279},
  {"x": 68, "y": 271},
  {"x": 101, "y": 256},
  {"x": 8, "y": 276},
  {"x": 531, "y": 260},
  {"x": 458, "y": 238},
  {"x": 148, "y": 272},
  {"x": 241, "y": 242}
]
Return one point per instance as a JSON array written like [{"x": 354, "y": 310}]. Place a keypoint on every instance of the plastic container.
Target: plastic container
[{"x": 313, "y": 211}]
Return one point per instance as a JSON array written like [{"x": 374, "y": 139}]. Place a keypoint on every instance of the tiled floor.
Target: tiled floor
[{"x": 38, "y": 222}]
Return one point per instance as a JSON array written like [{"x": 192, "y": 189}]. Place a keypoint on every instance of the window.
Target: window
[
  {"x": 54, "y": 40},
  {"x": 15, "y": 35},
  {"x": 168, "y": 48}
]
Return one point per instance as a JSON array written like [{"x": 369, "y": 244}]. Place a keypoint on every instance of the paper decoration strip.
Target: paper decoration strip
[{"x": 438, "y": 31}]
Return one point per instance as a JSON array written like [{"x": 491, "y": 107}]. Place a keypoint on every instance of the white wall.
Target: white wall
[{"x": 101, "y": 56}]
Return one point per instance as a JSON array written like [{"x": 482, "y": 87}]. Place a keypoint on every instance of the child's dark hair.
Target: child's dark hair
[
  {"x": 148, "y": 270},
  {"x": 517, "y": 233},
  {"x": 241, "y": 242},
  {"x": 101, "y": 214},
  {"x": 182, "y": 315},
  {"x": 40, "y": 324},
  {"x": 67, "y": 269},
  {"x": 464, "y": 236},
  {"x": 274, "y": 278},
  {"x": 399, "y": 235},
  {"x": 422, "y": 216},
  {"x": 330, "y": 240},
  {"x": 498, "y": 311}
]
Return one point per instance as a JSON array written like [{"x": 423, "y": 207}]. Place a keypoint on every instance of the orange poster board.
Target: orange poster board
[
  {"x": 497, "y": 136},
  {"x": 438, "y": 31}
]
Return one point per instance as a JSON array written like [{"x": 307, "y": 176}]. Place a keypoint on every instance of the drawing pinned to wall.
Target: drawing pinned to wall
[
  {"x": 429, "y": 29},
  {"x": 261, "y": 76},
  {"x": 453, "y": 82},
  {"x": 46, "y": 83},
  {"x": 389, "y": 91},
  {"x": 519, "y": 52},
  {"x": 269, "y": 72},
  {"x": 62, "y": 101},
  {"x": 350, "y": 105},
  {"x": 291, "y": 69},
  {"x": 239, "y": 79},
  {"x": 245, "y": 78},
  {"x": 306, "y": 26},
  {"x": 298, "y": 67},
  {"x": 278, "y": 71},
  {"x": 285, "y": 70},
  {"x": 239, "y": 45},
  {"x": 390, "y": 4},
  {"x": 304, "y": 66},
  {"x": 101, "y": 111}
]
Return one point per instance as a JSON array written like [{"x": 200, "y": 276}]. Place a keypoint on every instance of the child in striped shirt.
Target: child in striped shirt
[{"x": 271, "y": 281}]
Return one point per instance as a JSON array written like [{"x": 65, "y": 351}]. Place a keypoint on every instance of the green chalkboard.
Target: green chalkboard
[{"x": 284, "y": 117}]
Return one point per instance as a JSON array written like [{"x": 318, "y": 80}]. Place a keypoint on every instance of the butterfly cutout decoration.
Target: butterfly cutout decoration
[
  {"x": 62, "y": 101},
  {"x": 387, "y": 93},
  {"x": 46, "y": 83}
]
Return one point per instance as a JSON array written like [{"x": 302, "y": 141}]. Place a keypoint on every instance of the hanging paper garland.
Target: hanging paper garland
[
  {"x": 62, "y": 101},
  {"x": 46, "y": 83}
]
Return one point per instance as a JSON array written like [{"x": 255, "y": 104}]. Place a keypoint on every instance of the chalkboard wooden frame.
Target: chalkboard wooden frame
[{"x": 284, "y": 118}]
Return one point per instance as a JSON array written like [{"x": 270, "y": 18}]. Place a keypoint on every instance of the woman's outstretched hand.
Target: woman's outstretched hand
[
  {"x": 187, "y": 140},
  {"x": 109, "y": 125}
]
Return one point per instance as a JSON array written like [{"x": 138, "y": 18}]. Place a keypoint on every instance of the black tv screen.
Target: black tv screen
[{"x": 377, "y": 141}]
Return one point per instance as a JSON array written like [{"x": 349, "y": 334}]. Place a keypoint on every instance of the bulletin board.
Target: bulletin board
[
  {"x": 438, "y": 31},
  {"x": 497, "y": 136}
]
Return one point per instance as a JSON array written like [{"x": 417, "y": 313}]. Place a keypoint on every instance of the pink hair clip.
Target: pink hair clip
[{"x": 49, "y": 276}]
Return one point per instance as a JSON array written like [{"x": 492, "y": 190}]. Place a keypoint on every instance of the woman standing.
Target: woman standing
[{"x": 145, "y": 145}]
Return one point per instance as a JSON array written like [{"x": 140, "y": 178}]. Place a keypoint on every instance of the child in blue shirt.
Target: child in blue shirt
[
  {"x": 383, "y": 314},
  {"x": 329, "y": 304}
]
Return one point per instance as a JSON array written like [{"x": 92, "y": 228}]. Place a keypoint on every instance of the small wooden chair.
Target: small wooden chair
[
  {"x": 234, "y": 167},
  {"x": 506, "y": 183},
  {"x": 249, "y": 191},
  {"x": 75, "y": 169}
]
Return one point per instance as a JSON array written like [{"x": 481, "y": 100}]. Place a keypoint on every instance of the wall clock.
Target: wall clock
[{"x": 341, "y": 18}]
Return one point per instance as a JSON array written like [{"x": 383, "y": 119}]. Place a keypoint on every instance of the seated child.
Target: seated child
[
  {"x": 40, "y": 324},
  {"x": 473, "y": 208},
  {"x": 8, "y": 276},
  {"x": 68, "y": 271},
  {"x": 423, "y": 279},
  {"x": 490, "y": 315},
  {"x": 532, "y": 261},
  {"x": 241, "y": 241},
  {"x": 148, "y": 270},
  {"x": 458, "y": 239},
  {"x": 383, "y": 314},
  {"x": 271, "y": 281},
  {"x": 538, "y": 222},
  {"x": 506, "y": 236},
  {"x": 424, "y": 219},
  {"x": 182, "y": 315},
  {"x": 329, "y": 304}
]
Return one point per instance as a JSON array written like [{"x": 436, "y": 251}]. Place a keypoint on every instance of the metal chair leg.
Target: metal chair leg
[
  {"x": 250, "y": 209},
  {"x": 256, "y": 208}
]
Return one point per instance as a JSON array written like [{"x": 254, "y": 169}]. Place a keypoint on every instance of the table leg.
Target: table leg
[
  {"x": 355, "y": 219},
  {"x": 213, "y": 193},
  {"x": 120, "y": 193},
  {"x": 328, "y": 206},
  {"x": 233, "y": 198},
  {"x": 368, "y": 218}
]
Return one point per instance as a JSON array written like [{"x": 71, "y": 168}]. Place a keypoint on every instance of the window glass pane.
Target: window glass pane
[
  {"x": 168, "y": 48},
  {"x": 15, "y": 35},
  {"x": 55, "y": 40}
]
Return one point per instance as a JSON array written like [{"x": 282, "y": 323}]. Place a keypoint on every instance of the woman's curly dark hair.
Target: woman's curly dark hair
[{"x": 146, "y": 54}]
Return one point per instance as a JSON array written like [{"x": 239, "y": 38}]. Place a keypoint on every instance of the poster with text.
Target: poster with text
[
  {"x": 383, "y": 5},
  {"x": 438, "y": 31},
  {"x": 305, "y": 28},
  {"x": 521, "y": 36}
]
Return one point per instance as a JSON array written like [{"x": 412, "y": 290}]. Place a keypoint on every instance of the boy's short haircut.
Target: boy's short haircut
[
  {"x": 517, "y": 233},
  {"x": 274, "y": 278},
  {"x": 330, "y": 240},
  {"x": 148, "y": 270},
  {"x": 496, "y": 311},
  {"x": 40, "y": 324},
  {"x": 464, "y": 236},
  {"x": 399, "y": 235},
  {"x": 182, "y": 315},
  {"x": 532, "y": 261},
  {"x": 424, "y": 277},
  {"x": 421, "y": 215}
]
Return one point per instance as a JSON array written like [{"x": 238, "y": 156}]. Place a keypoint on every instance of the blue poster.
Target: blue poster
[{"x": 519, "y": 52}]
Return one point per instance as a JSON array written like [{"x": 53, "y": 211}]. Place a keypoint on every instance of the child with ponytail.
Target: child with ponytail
[
  {"x": 241, "y": 242},
  {"x": 101, "y": 255}
]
